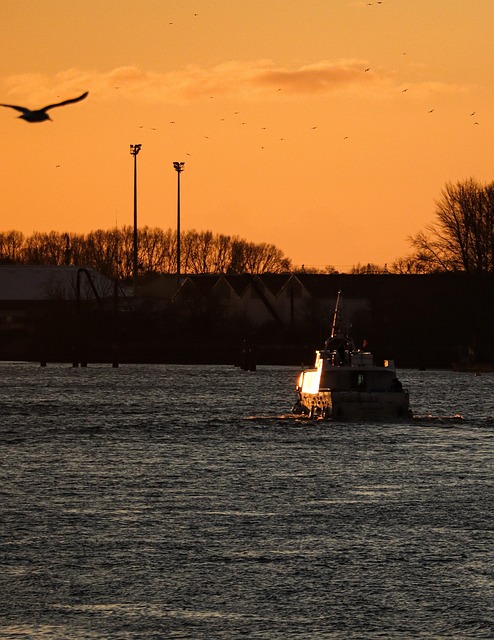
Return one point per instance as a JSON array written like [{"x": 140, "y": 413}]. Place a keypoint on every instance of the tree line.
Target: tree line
[
  {"x": 460, "y": 239},
  {"x": 111, "y": 252}
]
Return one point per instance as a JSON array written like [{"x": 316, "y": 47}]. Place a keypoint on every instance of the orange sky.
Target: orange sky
[{"x": 325, "y": 127}]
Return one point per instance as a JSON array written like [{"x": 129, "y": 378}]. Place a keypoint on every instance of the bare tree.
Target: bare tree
[
  {"x": 370, "y": 267},
  {"x": 157, "y": 250},
  {"x": 46, "y": 248},
  {"x": 462, "y": 238},
  {"x": 249, "y": 257},
  {"x": 205, "y": 252},
  {"x": 102, "y": 251},
  {"x": 11, "y": 246},
  {"x": 111, "y": 252},
  {"x": 412, "y": 264}
]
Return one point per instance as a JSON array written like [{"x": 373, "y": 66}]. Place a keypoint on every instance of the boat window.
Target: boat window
[{"x": 358, "y": 381}]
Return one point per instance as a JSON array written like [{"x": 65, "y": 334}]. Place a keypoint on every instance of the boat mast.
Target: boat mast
[
  {"x": 334, "y": 325},
  {"x": 335, "y": 315}
]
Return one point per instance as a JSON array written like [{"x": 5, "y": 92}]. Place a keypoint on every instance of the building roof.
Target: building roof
[
  {"x": 40, "y": 282},
  {"x": 274, "y": 281}
]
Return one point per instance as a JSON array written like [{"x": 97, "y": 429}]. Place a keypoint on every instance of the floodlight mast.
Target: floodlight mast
[
  {"x": 179, "y": 167},
  {"x": 134, "y": 150}
]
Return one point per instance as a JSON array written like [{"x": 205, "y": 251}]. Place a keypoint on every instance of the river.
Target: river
[{"x": 186, "y": 502}]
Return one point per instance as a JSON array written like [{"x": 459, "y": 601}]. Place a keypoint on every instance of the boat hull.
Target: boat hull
[{"x": 354, "y": 406}]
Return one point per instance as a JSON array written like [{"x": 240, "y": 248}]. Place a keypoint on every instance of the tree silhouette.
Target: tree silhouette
[
  {"x": 111, "y": 252},
  {"x": 462, "y": 238}
]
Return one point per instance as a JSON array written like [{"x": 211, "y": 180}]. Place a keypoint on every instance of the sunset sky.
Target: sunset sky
[{"x": 325, "y": 127}]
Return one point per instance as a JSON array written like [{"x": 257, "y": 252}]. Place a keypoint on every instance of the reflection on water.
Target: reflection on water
[{"x": 185, "y": 502}]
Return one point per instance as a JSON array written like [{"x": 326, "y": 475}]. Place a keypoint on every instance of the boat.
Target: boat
[
  {"x": 473, "y": 367},
  {"x": 346, "y": 385},
  {"x": 470, "y": 361}
]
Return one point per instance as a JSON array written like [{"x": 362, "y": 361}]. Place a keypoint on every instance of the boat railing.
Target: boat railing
[{"x": 338, "y": 358}]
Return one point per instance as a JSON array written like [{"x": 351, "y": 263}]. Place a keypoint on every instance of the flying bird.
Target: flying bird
[{"x": 40, "y": 115}]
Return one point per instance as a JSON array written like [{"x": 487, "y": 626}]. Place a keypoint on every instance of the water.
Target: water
[{"x": 185, "y": 502}]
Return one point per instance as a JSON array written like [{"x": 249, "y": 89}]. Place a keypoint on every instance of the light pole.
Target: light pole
[
  {"x": 134, "y": 150},
  {"x": 179, "y": 167}
]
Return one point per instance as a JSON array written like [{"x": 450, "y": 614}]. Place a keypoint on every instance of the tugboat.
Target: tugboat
[{"x": 346, "y": 385}]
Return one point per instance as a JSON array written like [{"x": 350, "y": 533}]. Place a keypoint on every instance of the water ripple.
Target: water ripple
[{"x": 186, "y": 502}]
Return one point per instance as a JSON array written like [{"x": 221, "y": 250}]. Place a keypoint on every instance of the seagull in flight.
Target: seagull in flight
[{"x": 40, "y": 115}]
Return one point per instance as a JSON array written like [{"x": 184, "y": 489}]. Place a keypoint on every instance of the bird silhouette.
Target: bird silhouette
[{"x": 40, "y": 115}]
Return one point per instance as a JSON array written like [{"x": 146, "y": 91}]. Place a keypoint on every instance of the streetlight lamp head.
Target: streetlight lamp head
[
  {"x": 179, "y": 166},
  {"x": 135, "y": 148}
]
